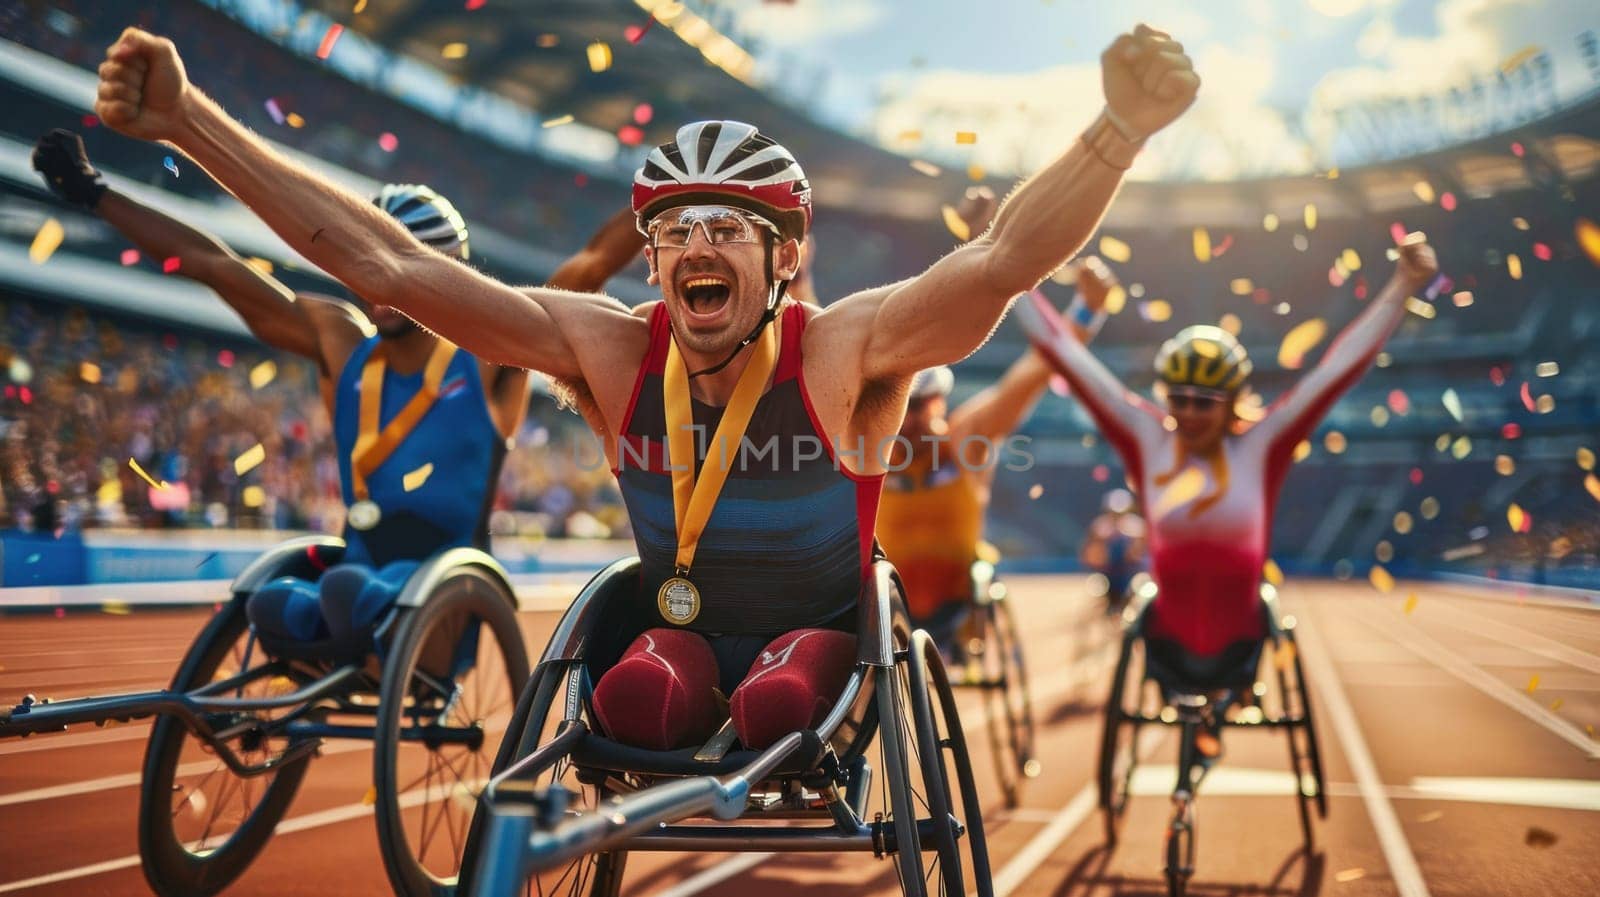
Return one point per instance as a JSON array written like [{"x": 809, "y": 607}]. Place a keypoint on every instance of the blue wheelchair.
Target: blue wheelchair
[{"x": 431, "y": 683}]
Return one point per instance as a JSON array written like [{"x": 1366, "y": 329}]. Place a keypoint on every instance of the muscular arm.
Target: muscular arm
[
  {"x": 268, "y": 307},
  {"x": 612, "y": 247}
]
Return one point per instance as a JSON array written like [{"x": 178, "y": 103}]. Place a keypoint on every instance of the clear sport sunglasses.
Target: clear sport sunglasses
[{"x": 675, "y": 227}]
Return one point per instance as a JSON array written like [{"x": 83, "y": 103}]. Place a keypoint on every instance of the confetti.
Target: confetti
[
  {"x": 1353, "y": 874},
  {"x": 263, "y": 373},
  {"x": 1116, "y": 299},
  {"x": 1222, "y": 247},
  {"x": 1462, "y": 299},
  {"x": 1533, "y": 683},
  {"x": 1399, "y": 403},
  {"x": 329, "y": 39},
  {"x": 1527, "y": 396},
  {"x": 630, "y": 135},
  {"x": 1403, "y": 522},
  {"x": 371, "y": 797},
  {"x": 1269, "y": 223},
  {"x": 1516, "y": 60},
  {"x": 89, "y": 372},
  {"x": 414, "y": 480},
  {"x": 295, "y": 121},
  {"x": 1411, "y": 602},
  {"x": 633, "y": 33},
  {"x": 1156, "y": 310},
  {"x": 1423, "y": 190},
  {"x": 1556, "y": 705},
  {"x": 388, "y": 142},
  {"x": 599, "y": 56},
  {"x": 927, "y": 168},
  {"x": 170, "y": 165},
  {"x": 1431, "y": 816},
  {"x": 253, "y": 496},
  {"x": 146, "y": 477},
  {"x": 1504, "y": 465},
  {"x": 1230, "y": 322},
  {"x": 1545, "y": 404},
  {"x": 909, "y": 136},
  {"x": 130, "y": 257},
  {"x": 1591, "y": 483},
  {"x": 1429, "y": 508},
  {"x": 1202, "y": 245},
  {"x": 1302, "y": 450},
  {"x": 454, "y": 50},
  {"x": 1397, "y": 232},
  {"x": 1461, "y": 448},
  {"x": 171, "y": 265},
  {"x": 558, "y": 121},
  {"x": 954, "y": 223},
  {"x": 643, "y": 113},
  {"x": 1585, "y": 459},
  {"x": 115, "y": 608},
  {"x": 1539, "y": 838},
  {"x": 1036, "y": 490},
  {"x": 966, "y": 137},
  {"x": 1384, "y": 552},
  {"x": 975, "y": 172},
  {"x": 1447, "y": 201},
  {"x": 1184, "y": 488},
  {"x": 46, "y": 241},
  {"x": 1334, "y": 442},
  {"x": 1381, "y": 579},
  {"x": 1519, "y": 519},
  {"x": 549, "y": 40},
  {"x": 361, "y": 5},
  {"x": 1241, "y": 286},
  {"x": 1419, "y": 308},
  {"x": 1514, "y": 266},
  {"x": 1300, "y": 340},
  {"x": 1588, "y": 234},
  {"x": 1452, "y": 404},
  {"x": 1115, "y": 250},
  {"x": 250, "y": 460},
  {"x": 1547, "y": 369},
  {"x": 274, "y": 110},
  {"x": 1541, "y": 251},
  {"x": 1310, "y": 216}
]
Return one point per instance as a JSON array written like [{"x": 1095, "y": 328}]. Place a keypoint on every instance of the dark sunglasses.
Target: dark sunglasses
[{"x": 1185, "y": 401}]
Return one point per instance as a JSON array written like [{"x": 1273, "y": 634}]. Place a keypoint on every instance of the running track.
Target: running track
[{"x": 1448, "y": 775}]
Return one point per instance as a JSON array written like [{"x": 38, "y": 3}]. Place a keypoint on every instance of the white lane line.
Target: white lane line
[
  {"x": 1427, "y": 648},
  {"x": 1396, "y": 850},
  {"x": 1225, "y": 781},
  {"x": 715, "y": 875},
  {"x": 1517, "y": 637}
]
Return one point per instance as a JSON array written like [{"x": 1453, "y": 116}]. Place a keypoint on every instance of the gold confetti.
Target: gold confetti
[
  {"x": 1384, "y": 552},
  {"x": 250, "y": 460},
  {"x": 1311, "y": 216},
  {"x": 1351, "y": 259},
  {"x": 295, "y": 120},
  {"x": 599, "y": 56},
  {"x": 1183, "y": 489},
  {"x": 909, "y": 136},
  {"x": 1116, "y": 298},
  {"x": 1156, "y": 310},
  {"x": 954, "y": 223},
  {"x": 1462, "y": 299},
  {"x": 1379, "y": 415},
  {"x": 1272, "y": 573},
  {"x": 1402, "y": 522},
  {"x": 558, "y": 121},
  {"x": 1036, "y": 490},
  {"x": 1420, "y": 309},
  {"x": 1545, "y": 404},
  {"x": 458, "y": 50},
  {"x": 1585, "y": 459},
  {"x": 253, "y": 496},
  {"x": 1540, "y": 838},
  {"x": 1461, "y": 448},
  {"x": 1429, "y": 508},
  {"x": 1424, "y": 191},
  {"x": 1297, "y": 342},
  {"x": 1241, "y": 286},
  {"x": 1302, "y": 450},
  {"x": 1334, "y": 442},
  {"x": 1547, "y": 369},
  {"x": 1269, "y": 223},
  {"x": 1556, "y": 705},
  {"x": 1516, "y": 517},
  {"x": 116, "y": 608},
  {"x": 1592, "y": 484},
  {"x": 371, "y": 797},
  {"x": 1431, "y": 816},
  {"x": 1514, "y": 266},
  {"x": 1452, "y": 404},
  {"x": 1520, "y": 223},
  {"x": 1202, "y": 244},
  {"x": 146, "y": 477},
  {"x": 89, "y": 372},
  {"x": 1230, "y": 322},
  {"x": 966, "y": 137},
  {"x": 414, "y": 480},
  {"x": 260, "y": 264},
  {"x": 975, "y": 172},
  {"x": 1515, "y": 60},
  {"x": 927, "y": 168},
  {"x": 263, "y": 373},
  {"x": 1411, "y": 602},
  {"x": 1381, "y": 579},
  {"x": 548, "y": 40},
  {"x": 1504, "y": 465},
  {"x": 1352, "y": 874},
  {"x": 1115, "y": 249},
  {"x": 1442, "y": 443},
  {"x": 1588, "y": 234},
  {"x": 46, "y": 241}
]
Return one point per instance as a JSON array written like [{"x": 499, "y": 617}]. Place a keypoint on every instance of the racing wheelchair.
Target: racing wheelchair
[
  {"x": 431, "y": 683},
  {"x": 886, "y": 772},
  {"x": 992, "y": 646},
  {"x": 1157, "y": 683}
]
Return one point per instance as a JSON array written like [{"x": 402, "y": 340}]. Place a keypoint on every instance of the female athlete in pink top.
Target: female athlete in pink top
[{"x": 1208, "y": 485}]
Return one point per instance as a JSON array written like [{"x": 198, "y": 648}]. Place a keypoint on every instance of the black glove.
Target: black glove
[{"x": 61, "y": 158}]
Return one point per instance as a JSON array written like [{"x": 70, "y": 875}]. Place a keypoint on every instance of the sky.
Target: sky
[{"x": 1024, "y": 74}]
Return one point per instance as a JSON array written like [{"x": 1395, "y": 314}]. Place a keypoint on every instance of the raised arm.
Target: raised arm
[
  {"x": 998, "y": 410},
  {"x": 945, "y": 313},
  {"x": 612, "y": 247},
  {"x": 145, "y": 93},
  {"x": 1295, "y": 414}
]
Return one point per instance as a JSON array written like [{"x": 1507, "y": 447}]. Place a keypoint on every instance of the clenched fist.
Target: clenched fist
[
  {"x": 1417, "y": 265},
  {"x": 977, "y": 209},
  {"x": 1095, "y": 281},
  {"x": 143, "y": 86},
  {"x": 1148, "y": 82}
]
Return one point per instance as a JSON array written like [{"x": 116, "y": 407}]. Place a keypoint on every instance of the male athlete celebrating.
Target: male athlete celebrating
[{"x": 726, "y": 210}]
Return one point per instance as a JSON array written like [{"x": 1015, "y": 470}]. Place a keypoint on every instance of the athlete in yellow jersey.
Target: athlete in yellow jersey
[{"x": 930, "y": 519}]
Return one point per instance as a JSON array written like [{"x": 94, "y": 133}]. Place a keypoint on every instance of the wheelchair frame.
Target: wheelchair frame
[
  {"x": 522, "y": 829},
  {"x": 464, "y": 576},
  {"x": 1002, "y": 675},
  {"x": 1194, "y": 708}
]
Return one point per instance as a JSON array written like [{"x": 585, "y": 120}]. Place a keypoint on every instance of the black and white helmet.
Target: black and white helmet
[
  {"x": 729, "y": 163},
  {"x": 430, "y": 217}
]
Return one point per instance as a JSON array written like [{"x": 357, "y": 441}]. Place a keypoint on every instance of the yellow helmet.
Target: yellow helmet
[{"x": 1203, "y": 356}]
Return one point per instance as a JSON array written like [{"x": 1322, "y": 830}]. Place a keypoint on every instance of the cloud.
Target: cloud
[{"x": 805, "y": 22}]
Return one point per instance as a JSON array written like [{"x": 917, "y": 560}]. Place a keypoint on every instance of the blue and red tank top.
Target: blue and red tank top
[{"x": 791, "y": 535}]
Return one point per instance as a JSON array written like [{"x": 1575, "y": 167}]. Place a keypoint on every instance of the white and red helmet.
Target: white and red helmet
[{"x": 726, "y": 163}]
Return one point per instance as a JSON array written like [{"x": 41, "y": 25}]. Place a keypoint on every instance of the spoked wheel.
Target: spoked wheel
[
  {"x": 450, "y": 684},
  {"x": 961, "y": 852},
  {"x": 1007, "y": 701},
  {"x": 539, "y": 716},
  {"x": 1180, "y": 847},
  {"x": 902, "y": 790},
  {"x": 1119, "y": 740},
  {"x": 1305, "y": 756},
  {"x": 200, "y": 823}
]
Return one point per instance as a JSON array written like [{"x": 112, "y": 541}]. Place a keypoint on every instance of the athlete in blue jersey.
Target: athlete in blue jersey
[
  {"x": 413, "y": 485},
  {"x": 754, "y": 557}
]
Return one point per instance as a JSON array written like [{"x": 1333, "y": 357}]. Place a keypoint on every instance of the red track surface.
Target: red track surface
[{"x": 1463, "y": 759}]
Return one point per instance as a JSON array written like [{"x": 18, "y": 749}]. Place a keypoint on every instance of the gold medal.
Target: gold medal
[
  {"x": 679, "y": 601},
  {"x": 364, "y": 514}
]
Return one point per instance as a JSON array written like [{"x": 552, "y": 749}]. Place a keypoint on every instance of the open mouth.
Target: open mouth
[{"x": 705, "y": 295}]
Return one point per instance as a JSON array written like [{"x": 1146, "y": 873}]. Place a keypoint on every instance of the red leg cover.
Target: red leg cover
[
  {"x": 659, "y": 695},
  {"x": 792, "y": 685}
]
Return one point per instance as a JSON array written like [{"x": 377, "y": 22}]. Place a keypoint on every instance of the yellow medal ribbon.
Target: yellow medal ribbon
[
  {"x": 692, "y": 497},
  {"x": 372, "y": 447}
]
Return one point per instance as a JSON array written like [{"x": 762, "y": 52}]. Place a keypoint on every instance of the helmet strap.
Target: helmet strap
[{"x": 775, "y": 292}]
